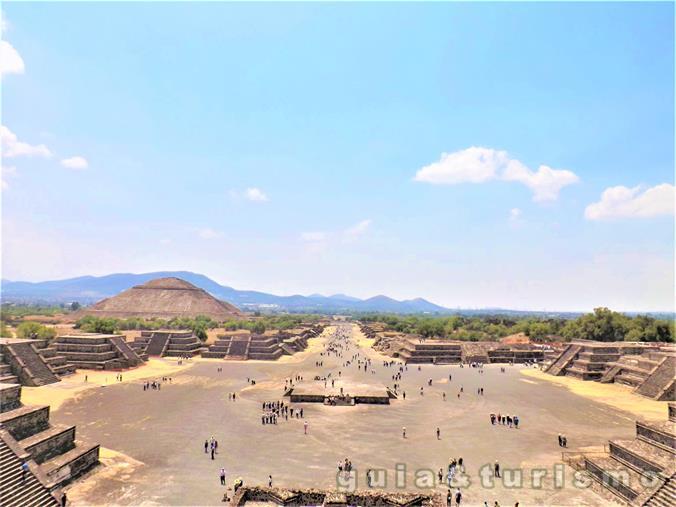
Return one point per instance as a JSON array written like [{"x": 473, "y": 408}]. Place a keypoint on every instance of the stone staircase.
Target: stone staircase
[
  {"x": 126, "y": 351},
  {"x": 25, "y": 362},
  {"x": 665, "y": 496},
  {"x": 97, "y": 351},
  {"x": 157, "y": 344},
  {"x": 58, "y": 456},
  {"x": 430, "y": 351},
  {"x": 168, "y": 343},
  {"x": 659, "y": 385},
  {"x": 639, "y": 471},
  {"x": 6, "y": 375},
  {"x": 566, "y": 357},
  {"x": 16, "y": 491}
]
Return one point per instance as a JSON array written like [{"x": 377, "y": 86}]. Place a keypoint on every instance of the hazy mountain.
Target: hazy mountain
[{"x": 89, "y": 289}]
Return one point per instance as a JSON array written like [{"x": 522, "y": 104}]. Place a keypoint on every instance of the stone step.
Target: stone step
[
  {"x": 9, "y": 379},
  {"x": 642, "y": 454},
  {"x": 24, "y": 421},
  {"x": 51, "y": 442},
  {"x": 70, "y": 465},
  {"x": 615, "y": 476},
  {"x": 14, "y": 490}
]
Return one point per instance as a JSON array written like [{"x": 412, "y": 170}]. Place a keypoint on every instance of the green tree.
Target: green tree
[{"x": 35, "y": 330}]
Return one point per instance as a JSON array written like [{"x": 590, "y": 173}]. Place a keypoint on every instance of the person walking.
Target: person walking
[
  {"x": 438, "y": 434},
  {"x": 222, "y": 476},
  {"x": 403, "y": 432},
  {"x": 496, "y": 468},
  {"x": 458, "y": 497},
  {"x": 305, "y": 428}
]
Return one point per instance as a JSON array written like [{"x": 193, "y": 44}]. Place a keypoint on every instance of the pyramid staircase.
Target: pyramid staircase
[
  {"x": 640, "y": 471},
  {"x": 58, "y": 456},
  {"x": 261, "y": 347},
  {"x": 32, "y": 362},
  {"x": 430, "y": 351},
  {"x": 565, "y": 358},
  {"x": 97, "y": 351},
  {"x": 167, "y": 344},
  {"x": 15, "y": 489}
]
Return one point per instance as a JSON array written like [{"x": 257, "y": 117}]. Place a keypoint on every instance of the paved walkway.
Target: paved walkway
[{"x": 163, "y": 432}]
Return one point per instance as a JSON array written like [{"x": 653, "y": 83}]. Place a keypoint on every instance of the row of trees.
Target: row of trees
[
  {"x": 199, "y": 325},
  {"x": 602, "y": 325}
]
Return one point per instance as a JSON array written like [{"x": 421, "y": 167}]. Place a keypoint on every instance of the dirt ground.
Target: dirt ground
[{"x": 154, "y": 440}]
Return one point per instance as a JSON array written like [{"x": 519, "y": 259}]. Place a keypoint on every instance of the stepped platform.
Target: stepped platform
[
  {"x": 167, "y": 343},
  {"x": 26, "y": 363},
  {"x": 255, "y": 495},
  {"x": 430, "y": 351},
  {"x": 57, "y": 456},
  {"x": 345, "y": 394},
  {"x": 639, "y": 471},
  {"x": 645, "y": 367},
  {"x": 97, "y": 351},
  {"x": 243, "y": 346},
  {"x": 10, "y": 397},
  {"x": 14, "y": 490}
]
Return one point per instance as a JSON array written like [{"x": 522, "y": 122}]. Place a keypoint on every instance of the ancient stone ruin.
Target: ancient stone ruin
[
  {"x": 641, "y": 471},
  {"x": 97, "y": 351},
  {"x": 649, "y": 368},
  {"x": 167, "y": 344},
  {"x": 242, "y": 345},
  {"x": 31, "y": 362},
  {"x": 303, "y": 497},
  {"x": 53, "y": 455},
  {"x": 162, "y": 298}
]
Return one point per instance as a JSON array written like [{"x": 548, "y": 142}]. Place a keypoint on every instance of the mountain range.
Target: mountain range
[{"x": 89, "y": 289}]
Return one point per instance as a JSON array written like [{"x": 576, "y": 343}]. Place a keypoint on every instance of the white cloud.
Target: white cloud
[
  {"x": 77, "y": 163},
  {"x": 12, "y": 147},
  {"x": 636, "y": 202},
  {"x": 4, "y": 24},
  {"x": 6, "y": 171},
  {"x": 545, "y": 183},
  {"x": 514, "y": 214},
  {"x": 209, "y": 233},
  {"x": 255, "y": 194},
  {"x": 313, "y": 236},
  {"x": 10, "y": 60},
  {"x": 473, "y": 165},
  {"x": 479, "y": 165},
  {"x": 357, "y": 229}
]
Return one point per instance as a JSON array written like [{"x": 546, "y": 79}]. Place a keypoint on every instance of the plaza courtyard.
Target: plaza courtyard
[{"x": 153, "y": 440}]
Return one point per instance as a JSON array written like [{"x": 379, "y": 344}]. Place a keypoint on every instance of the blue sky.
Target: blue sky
[{"x": 478, "y": 155}]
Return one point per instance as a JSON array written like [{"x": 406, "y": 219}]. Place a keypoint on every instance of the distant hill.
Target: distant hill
[{"x": 90, "y": 289}]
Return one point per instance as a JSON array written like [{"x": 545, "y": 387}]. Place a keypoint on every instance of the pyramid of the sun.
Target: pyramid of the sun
[{"x": 163, "y": 298}]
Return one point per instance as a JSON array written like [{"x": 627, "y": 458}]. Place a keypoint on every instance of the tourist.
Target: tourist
[
  {"x": 64, "y": 499},
  {"x": 438, "y": 434},
  {"x": 449, "y": 498},
  {"x": 269, "y": 481},
  {"x": 458, "y": 497},
  {"x": 305, "y": 428},
  {"x": 403, "y": 432},
  {"x": 496, "y": 469},
  {"x": 222, "y": 476},
  {"x": 24, "y": 471},
  {"x": 206, "y": 446}
]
